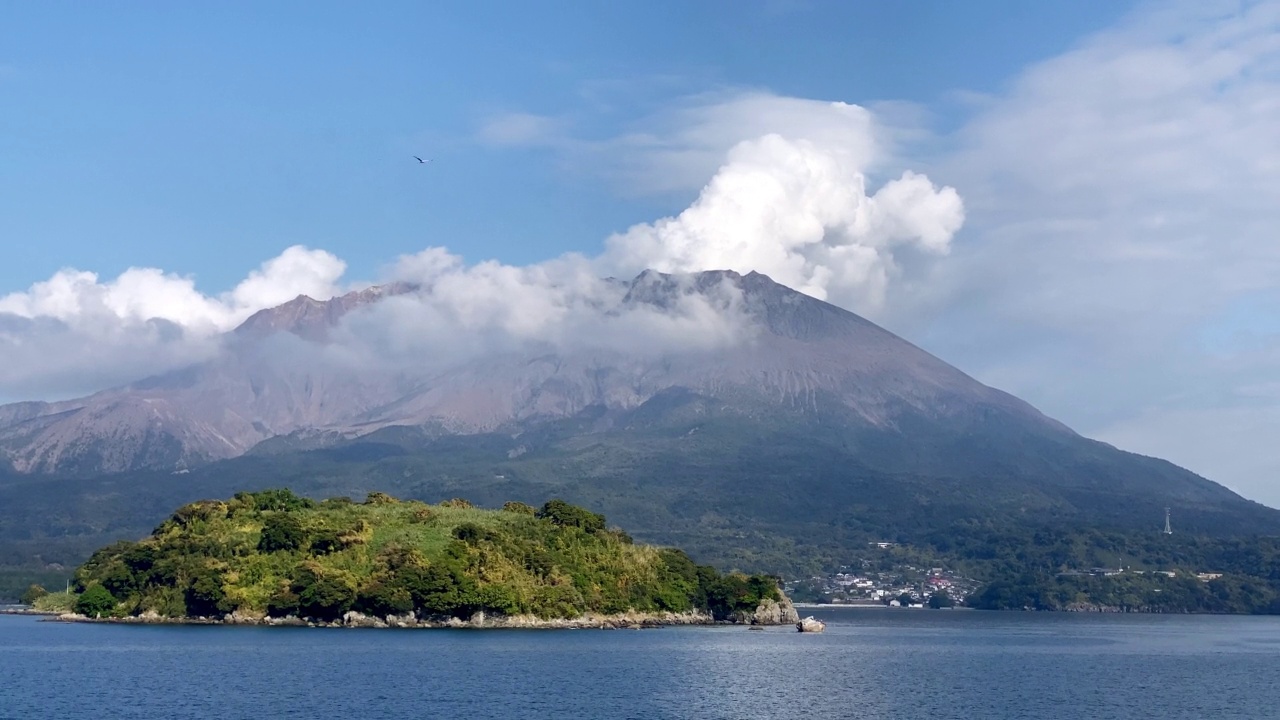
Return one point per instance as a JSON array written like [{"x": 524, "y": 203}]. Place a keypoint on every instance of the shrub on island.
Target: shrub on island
[
  {"x": 96, "y": 601},
  {"x": 32, "y": 594}
]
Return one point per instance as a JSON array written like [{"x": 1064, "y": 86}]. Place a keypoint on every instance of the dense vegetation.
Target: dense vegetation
[
  {"x": 1056, "y": 569},
  {"x": 275, "y": 553},
  {"x": 1065, "y": 568},
  {"x": 789, "y": 498},
  {"x": 780, "y": 491}
]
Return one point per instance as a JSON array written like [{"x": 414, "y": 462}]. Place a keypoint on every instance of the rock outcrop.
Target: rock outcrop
[
  {"x": 811, "y": 625},
  {"x": 769, "y": 612}
]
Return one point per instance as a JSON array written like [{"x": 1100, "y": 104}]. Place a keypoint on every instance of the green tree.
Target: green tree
[
  {"x": 96, "y": 602},
  {"x": 33, "y": 593},
  {"x": 120, "y": 580},
  {"x": 283, "y": 603},
  {"x": 281, "y": 531},
  {"x": 565, "y": 515},
  {"x": 940, "y": 599},
  {"x": 281, "y": 499},
  {"x": 325, "y": 541},
  {"x": 323, "y": 595},
  {"x": 735, "y": 592},
  {"x": 382, "y": 599},
  {"x": 444, "y": 590},
  {"x": 205, "y": 596},
  {"x": 470, "y": 533}
]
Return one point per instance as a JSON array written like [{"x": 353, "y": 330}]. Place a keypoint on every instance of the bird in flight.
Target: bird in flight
[{"x": 421, "y": 161}]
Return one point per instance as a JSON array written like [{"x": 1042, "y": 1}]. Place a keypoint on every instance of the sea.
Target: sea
[{"x": 870, "y": 663}]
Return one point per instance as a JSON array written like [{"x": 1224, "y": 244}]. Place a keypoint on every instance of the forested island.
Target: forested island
[{"x": 273, "y": 557}]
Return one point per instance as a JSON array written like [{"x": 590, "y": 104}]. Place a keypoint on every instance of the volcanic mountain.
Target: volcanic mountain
[
  {"x": 810, "y": 421},
  {"x": 803, "y": 357}
]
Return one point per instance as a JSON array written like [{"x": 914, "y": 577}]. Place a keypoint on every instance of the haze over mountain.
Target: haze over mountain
[
  {"x": 309, "y": 371},
  {"x": 304, "y": 367}
]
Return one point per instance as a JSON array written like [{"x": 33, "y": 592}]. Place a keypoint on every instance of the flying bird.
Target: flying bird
[{"x": 421, "y": 161}]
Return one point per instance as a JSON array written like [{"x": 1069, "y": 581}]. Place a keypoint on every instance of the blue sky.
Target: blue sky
[
  {"x": 204, "y": 138},
  {"x": 1072, "y": 201}
]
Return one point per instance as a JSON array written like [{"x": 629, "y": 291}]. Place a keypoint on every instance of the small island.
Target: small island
[{"x": 275, "y": 558}]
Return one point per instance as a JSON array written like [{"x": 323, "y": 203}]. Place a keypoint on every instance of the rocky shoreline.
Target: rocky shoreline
[
  {"x": 769, "y": 613},
  {"x": 478, "y": 621}
]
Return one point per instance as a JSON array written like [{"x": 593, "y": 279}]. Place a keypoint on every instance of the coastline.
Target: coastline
[
  {"x": 841, "y": 606},
  {"x": 20, "y": 610},
  {"x": 769, "y": 613},
  {"x": 619, "y": 621}
]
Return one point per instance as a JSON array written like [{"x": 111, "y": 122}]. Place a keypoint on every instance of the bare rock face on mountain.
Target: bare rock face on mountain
[
  {"x": 313, "y": 319},
  {"x": 802, "y": 353}
]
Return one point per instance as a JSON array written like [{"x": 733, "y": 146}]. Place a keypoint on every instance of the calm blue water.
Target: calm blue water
[{"x": 868, "y": 664}]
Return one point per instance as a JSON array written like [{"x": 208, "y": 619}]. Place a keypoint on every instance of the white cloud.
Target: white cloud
[
  {"x": 297, "y": 271},
  {"x": 74, "y": 333},
  {"x": 1122, "y": 200},
  {"x": 142, "y": 294},
  {"x": 799, "y": 211},
  {"x": 462, "y": 312},
  {"x": 808, "y": 192}
]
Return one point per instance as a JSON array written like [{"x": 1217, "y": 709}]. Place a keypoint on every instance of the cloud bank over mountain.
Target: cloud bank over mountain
[
  {"x": 790, "y": 198},
  {"x": 75, "y": 333}
]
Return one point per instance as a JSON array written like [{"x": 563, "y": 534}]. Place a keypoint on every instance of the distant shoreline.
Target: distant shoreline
[
  {"x": 24, "y": 610},
  {"x": 824, "y": 606},
  {"x": 867, "y": 606}
]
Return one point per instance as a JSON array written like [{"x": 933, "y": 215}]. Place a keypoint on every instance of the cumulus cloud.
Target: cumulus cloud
[
  {"x": 1121, "y": 203},
  {"x": 809, "y": 192},
  {"x": 799, "y": 211},
  {"x": 75, "y": 332},
  {"x": 791, "y": 194},
  {"x": 140, "y": 295}
]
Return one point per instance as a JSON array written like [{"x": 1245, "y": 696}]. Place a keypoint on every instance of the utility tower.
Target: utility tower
[{"x": 1168, "y": 529}]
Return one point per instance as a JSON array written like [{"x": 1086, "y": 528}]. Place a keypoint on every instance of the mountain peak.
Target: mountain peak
[{"x": 312, "y": 319}]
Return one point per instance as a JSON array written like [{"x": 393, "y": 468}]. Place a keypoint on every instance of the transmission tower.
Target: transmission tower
[{"x": 1168, "y": 529}]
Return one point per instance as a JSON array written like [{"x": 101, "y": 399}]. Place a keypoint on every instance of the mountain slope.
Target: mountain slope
[
  {"x": 811, "y": 426},
  {"x": 803, "y": 352}
]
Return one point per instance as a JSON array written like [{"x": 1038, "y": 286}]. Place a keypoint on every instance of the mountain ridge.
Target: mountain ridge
[
  {"x": 811, "y": 434},
  {"x": 222, "y": 408}
]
